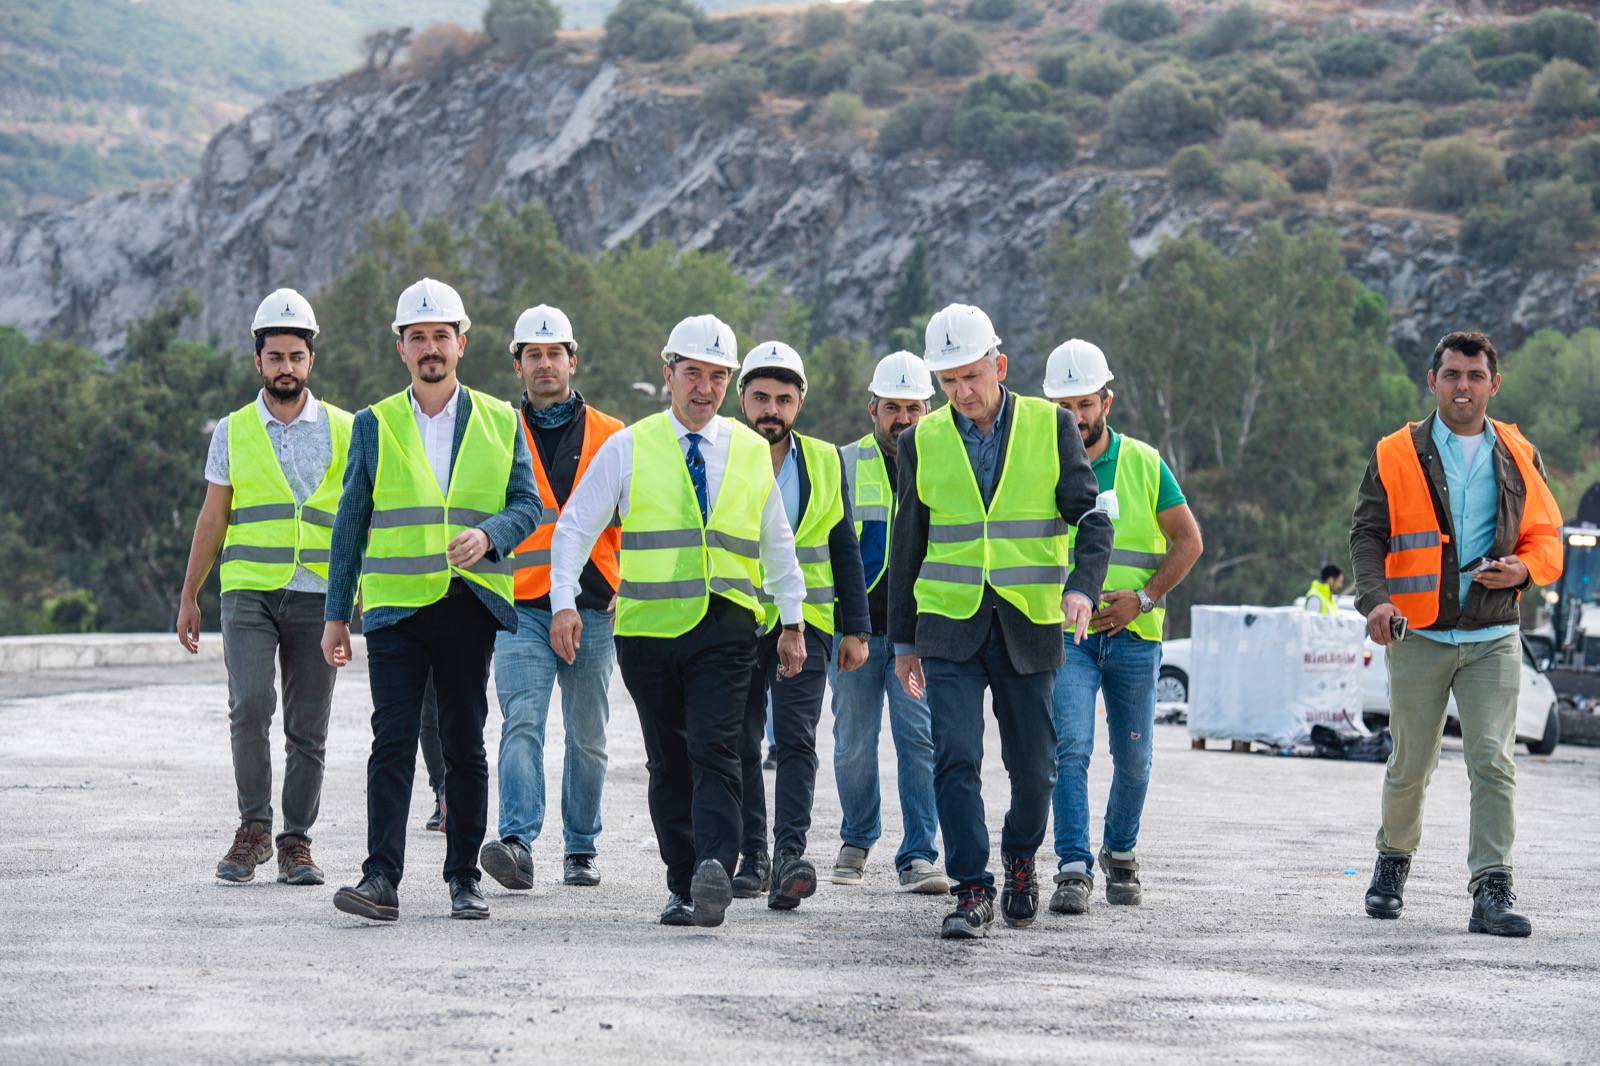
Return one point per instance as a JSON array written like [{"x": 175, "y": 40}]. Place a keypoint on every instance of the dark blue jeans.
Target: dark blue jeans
[{"x": 1027, "y": 747}]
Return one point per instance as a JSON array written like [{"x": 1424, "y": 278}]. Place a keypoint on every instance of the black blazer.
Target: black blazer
[{"x": 1032, "y": 648}]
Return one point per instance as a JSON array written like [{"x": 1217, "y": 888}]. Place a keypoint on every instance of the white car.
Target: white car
[{"x": 1538, "y": 717}]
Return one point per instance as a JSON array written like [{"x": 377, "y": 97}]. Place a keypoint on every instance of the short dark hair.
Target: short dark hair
[
  {"x": 571, "y": 346},
  {"x": 778, "y": 373},
  {"x": 1468, "y": 343},
  {"x": 1330, "y": 572},
  {"x": 304, "y": 334}
]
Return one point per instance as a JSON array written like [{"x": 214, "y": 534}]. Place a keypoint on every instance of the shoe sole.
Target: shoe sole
[
  {"x": 473, "y": 914},
  {"x": 1479, "y": 925},
  {"x": 1395, "y": 914},
  {"x": 1121, "y": 897},
  {"x": 236, "y": 875},
  {"x": 964, "y": 931},
  {"x": 853, "y": 877},
  {"x": 362, "y": 907},
  {"x": 581, "y": 881},
  {"x": 928, "y": 886},
  {"x": 680, "y": 920},
  {"x": 792, "y": 889},
  {"x": 503, "y": 868},
  {"x": 712, "y": 893},
  {"x": 304, "y": 875}
]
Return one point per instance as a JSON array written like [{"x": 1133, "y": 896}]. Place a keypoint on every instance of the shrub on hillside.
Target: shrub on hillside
[
  {"x": 1251, "y": 179},
  {"x": 917, "y": 125},
  {"x": 663, "y": 35},
  {"x": 1562, "y": 90},
  {"x": 1509, "y": 71},
  {"x": 732, "y": 93},
  {"x": 1194, "y": 167},
  {"x": 1100, "y": 74},
  {"x": 991, "y": 10},
  {"x": 822, "y": 24},
  {"x": 1542, "y": 228},
  {"x": 1002, "y": 138},
  {"x": 1357, "y": 55},
  {"x": 442, "y": 49},
  {"x": 1161, "y": 107},
  {"x": 956, "y": 54},
  {"x": 1311, "y": 173},
  {"x": 522, "y": 25},
  {"x": 1227, "y": 31},
  {"x": 1137, "y": 20},
  {"x": 1052, "y": 67},
  {"x": 1005, "y": 92},
  {"x": 1532, "y": 164},
  {"x": 1556, "y": 34},
  {"x": 1265, "y": 92},
  {"x": 623, "y": 36},
  {"x": 1583, "y": 159},
  {"x": 1245, "y": 139},
  {"x": 838, "y": 111},
  {"x": 832, "y": 73},
  {"x": 1454, "y": 173},
  {"x": 1444, "y": 74},
  {"x": 794, "y": 74},
  {"x": 875, "y": 79}
]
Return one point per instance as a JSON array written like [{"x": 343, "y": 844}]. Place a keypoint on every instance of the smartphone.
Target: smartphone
[
  {"x": 1397, "y": 627},
  {"x": 1480, "y": 564}
]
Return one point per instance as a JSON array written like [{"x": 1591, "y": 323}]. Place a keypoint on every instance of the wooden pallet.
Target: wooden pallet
[{"x": 1199, "y": 744}]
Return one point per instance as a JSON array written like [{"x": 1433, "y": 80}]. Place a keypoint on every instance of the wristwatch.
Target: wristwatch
[
  {"x": 1146, "y": 604},
  {"x": 794, "y": 627},
  {"x": 862, "y": 637}
]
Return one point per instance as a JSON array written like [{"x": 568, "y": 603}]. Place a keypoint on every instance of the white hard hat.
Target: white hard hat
[
  {"x": 430, "y": 301},
  {"x": 773, "y": 353},
  {"x": 703, "y": 337},
  {"x": 958, "y": 335},
  {"x": 1076, "y": 368},
  {"x": 902, "y": 376},
  {"x": 542, "y": 325},
  {"x": 285, "y": 309}
]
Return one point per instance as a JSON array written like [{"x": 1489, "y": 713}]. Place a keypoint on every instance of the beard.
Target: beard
[
  {"x": 431, "y": 370},
  {"x": 889, "y": 439},
  {"x": 773, "y": 430},
  {"x": 1093, "y": 433},
  {"x": 283, "y": 389}
]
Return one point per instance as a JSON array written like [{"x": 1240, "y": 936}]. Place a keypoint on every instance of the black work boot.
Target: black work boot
[
  {"x": 1491, "y": 909},
  {"x": 972, "y": 918},
  {"x": 794, "y": 878},
  {"x": 753, "y": 876},
  {"x": 1019, "y": 895},
  {"x": 1388, "y": 885}
]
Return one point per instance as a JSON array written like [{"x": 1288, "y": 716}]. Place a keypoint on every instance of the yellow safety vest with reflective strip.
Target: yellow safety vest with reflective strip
[
  {"x": 268, "y": 533},
  {"x": 1018, "y": 545},
  {"x": 413, "y": 523},
  {"x": 872, "y": 498},
  {"x": 823, "y": 511},
  {"x": 671, "y": 563},
  {"x": 1140, "y": 545},
  {"x": 1319, "y": 598}
]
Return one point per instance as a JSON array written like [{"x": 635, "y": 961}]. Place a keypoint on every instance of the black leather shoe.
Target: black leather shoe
[
  {"x": 580, "y": 870},
  {"x": 373, "y": 898},
  {"x": 1019, "y": 896},
  {"x": 972, "y": 918},
  {"x": 465, "y": 899},
  {"x": 711, "y": 891},
  {"x": 794, "y": 878},
  {"x": 1491, "y": 909},
  {"x": 678, "y": 911},
  {"x": 1388, "y": 886},
  {"x": 436, "y": 819},
  {"x": 753, "y": 876},
  {"x": 509, "y": 862}
]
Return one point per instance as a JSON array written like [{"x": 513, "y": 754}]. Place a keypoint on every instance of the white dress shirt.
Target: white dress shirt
[
  {"x": 606, "y": 487},
  {"x": 438, "y": 436}
]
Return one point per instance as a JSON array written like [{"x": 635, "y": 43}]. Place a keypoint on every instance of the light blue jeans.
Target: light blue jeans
[
  {"x": 525, "y": 673},
  {"x": 857, "y": 720},
  {"x": 1124, "y": 667}
]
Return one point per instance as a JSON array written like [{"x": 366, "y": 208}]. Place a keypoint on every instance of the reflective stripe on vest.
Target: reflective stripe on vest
[
  {"x": 824, "y": 509},
  {"x": 1018, "y": 545},
  {"x": 1416, "y": 541},
  {"x": 267, "y": 533},
  {"x": 670, "y": 565},
  {"x": 533, "y": 554},
  {"x": 413, "y": 523},
  {"x": 872, "y": 497},
  {"x": 1140, "y": 545}
]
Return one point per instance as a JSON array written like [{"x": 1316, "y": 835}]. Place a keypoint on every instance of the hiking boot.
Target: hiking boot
[
  {"x": 1388, "y": 885},
  {"x": 1491, "y": 909},
  {"x": 711, "y": 892},
  {"x": 753, "y": 876},
  {"x": 851, "y": 865},
  {"x": 794, "y": 879},
  {"x": 1122, "y": 879},
  {"x": 435, "y": 820},
  {"x": 922, "y": 878},
  {"x": 252, "y": 846},
  {"x": 1072, "y": 893},
  {"x": 295, "y": 866},
  {"x": 972, "y": 918},
  {"x": 373, "y": 898},
  {"x": 1019, "y": 896},
  {"x": 580, "y": 870},
  {"x": 508, "y": 861}
]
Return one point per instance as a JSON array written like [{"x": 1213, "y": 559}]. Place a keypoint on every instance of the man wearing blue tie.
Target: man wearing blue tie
[{"x": 700, "y": 541}]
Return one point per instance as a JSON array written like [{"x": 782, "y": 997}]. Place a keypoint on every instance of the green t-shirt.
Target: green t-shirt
[{"x": 1105, "y": 472}]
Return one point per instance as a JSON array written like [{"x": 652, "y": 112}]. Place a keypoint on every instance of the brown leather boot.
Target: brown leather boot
[
  {"x": 252, "y": 845},
  {"x": 295, "y": 866}
]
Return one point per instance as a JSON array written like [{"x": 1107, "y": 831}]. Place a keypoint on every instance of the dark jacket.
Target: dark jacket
[
  {"x": 1032, "y": 648},
  {"x": 1369, "y": 538},
  {"x": 350, "y": 526},
  {"x": 560, "y": 449},
  {"x": 849, "y": 582}
]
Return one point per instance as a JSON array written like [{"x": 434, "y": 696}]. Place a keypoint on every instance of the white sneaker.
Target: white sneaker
[
  {"x": 850, "y": 867},
  {"x": 921, "y": 877}
]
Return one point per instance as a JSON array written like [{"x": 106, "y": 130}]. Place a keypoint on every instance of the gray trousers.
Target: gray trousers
[{"x": 260, "y": 631}]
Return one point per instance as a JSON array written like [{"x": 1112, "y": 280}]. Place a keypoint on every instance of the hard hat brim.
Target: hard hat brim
[{"x": 462, "y": 326}]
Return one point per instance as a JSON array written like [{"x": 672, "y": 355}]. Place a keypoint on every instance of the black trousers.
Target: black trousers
[
  {"x": 432, "y": 754},
  {"x": 796, "y": 709},
  {"x": 690, "y": 694},
  {"x": 452, "y": 638}
]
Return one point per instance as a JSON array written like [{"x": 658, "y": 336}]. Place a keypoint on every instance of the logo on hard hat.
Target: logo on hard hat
[
  {"x": 543, "y": 330},
  {"x": 424, "y": 305},
  {"x": 950, "y": 345},
  {"x": 288, "y": 311},
  {"x": 902, "y": 379},
  {"x": 717, "y": 344}
]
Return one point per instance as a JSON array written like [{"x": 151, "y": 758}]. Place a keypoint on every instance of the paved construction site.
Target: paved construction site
[{"x": 119, "y": 944}]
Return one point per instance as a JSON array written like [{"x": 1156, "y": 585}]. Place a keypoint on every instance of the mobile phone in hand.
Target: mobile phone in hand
[
  {"x": 1397, "y": 627},
  {"x": 1480, "y": 564}
]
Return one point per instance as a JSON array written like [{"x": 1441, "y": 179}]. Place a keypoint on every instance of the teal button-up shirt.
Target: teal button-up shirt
[{"x": 1472, "y": 512}]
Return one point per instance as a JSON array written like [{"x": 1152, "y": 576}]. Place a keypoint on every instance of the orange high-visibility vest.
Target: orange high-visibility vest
[
  {"x": 533, "y": 579},
  {"x": 1416, "y": 543}
]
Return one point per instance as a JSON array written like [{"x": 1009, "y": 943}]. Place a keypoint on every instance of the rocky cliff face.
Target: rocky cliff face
[{"x": 283, "y": 194}]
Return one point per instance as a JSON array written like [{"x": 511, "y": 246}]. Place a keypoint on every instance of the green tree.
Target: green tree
[
  {"x": 626, "y": 33},
  {"x": 1562, "y": 90},
  {"x": 1166, "y": 106},
  {"x": 821, "y": 24},
  {"x": 1453, "y": 173},
  {"x": 1194, "y": 167},
  {"x": 522, "y": 25},
  {"x": 1137, "y": 20}
]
